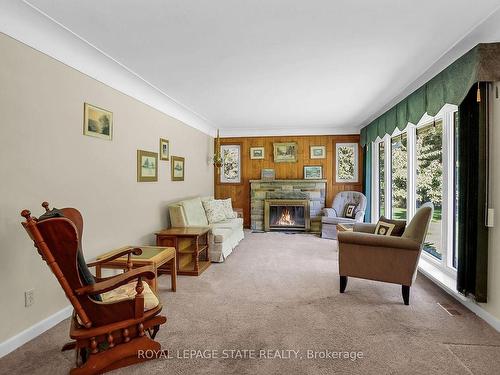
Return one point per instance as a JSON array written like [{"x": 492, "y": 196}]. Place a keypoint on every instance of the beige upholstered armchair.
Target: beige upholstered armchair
[
  {"x": 366, "y": 255},
  {"x": 336, "y": 214}
]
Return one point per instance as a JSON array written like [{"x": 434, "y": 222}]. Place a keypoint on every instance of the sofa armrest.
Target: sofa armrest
[
  {"x": 364, "y": 228},
  {"x": 375, "y": 240},
  {"x": 329, "y": 212}
]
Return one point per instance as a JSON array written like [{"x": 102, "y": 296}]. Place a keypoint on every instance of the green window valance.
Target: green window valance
[{"x": 480, "y": 64}]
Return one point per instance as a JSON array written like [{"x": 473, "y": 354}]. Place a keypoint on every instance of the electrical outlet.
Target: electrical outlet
[{"x": 29, "y": 298}]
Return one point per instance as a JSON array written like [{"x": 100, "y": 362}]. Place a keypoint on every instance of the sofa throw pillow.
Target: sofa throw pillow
[
  {"x": 194, "y": 212},
  {"x": 388, "y": 227},
  {"x": 227, "y": 208},
  {"x": 350, "y": 210},
  {"x": 214, "y": 211}
]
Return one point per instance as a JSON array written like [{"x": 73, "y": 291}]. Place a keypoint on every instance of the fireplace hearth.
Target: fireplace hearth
[{"x": 286, "y": 214}]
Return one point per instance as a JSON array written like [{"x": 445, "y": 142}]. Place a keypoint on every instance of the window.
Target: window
[
  {"x": 399, "y": 176},
  {"x": 381, "y": 179},
  {"x": 416, "y": 166},
  {"x": 429, "y": 181}
]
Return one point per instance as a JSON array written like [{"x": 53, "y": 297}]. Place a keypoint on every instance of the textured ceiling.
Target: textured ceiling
[{"x": 277, "y": 65}]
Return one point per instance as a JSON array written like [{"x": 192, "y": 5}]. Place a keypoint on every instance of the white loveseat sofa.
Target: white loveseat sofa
[{"x": 224, "y": 235}]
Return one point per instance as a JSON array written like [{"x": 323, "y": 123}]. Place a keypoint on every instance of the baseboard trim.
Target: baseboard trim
[
  {"x": 35, "y": 330},
  {"x": 446, "y": 283}
]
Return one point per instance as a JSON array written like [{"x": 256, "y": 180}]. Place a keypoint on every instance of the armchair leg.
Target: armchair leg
[
  {"x": 405, "y": 289},
  {"x": 343, "y": 283}
]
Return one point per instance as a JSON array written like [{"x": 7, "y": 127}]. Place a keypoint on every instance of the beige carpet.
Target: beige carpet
[{"x": 280, "y": 292}]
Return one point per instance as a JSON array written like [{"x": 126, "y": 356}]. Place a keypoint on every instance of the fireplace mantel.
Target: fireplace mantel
[{"x": 312, "y": 190}]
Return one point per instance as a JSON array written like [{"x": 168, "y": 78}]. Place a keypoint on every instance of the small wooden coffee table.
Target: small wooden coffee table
[
  {"x": 163, "y": 260},
  {"x": 189, "y": 244}
]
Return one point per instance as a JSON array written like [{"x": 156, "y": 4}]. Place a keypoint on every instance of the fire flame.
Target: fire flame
[{"x": 285, "y": 218}]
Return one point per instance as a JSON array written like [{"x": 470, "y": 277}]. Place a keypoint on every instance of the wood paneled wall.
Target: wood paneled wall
[{"x": 251, "y": 169}]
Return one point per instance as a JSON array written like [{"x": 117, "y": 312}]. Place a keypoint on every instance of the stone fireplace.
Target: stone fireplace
[
  {"x": 312, "y": 191},
  {"x": 286, "y": 214}
]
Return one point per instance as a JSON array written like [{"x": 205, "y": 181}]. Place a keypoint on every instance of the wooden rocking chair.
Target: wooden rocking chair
[{"x": 113, "y": 316}]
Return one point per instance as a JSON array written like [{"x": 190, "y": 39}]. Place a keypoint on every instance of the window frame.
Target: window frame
[{"x": 446, "y": 115}]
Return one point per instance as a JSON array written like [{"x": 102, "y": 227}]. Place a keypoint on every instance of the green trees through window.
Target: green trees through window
[
  {"x": 429, "y": 183},
  {"x": 381, "y": 178},
  {"x": 399, "y": 180}
]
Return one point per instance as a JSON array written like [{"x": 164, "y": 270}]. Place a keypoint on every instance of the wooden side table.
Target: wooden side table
[
  {"x": 188, "y": 243},
  {"x": 163, "y": 259}
]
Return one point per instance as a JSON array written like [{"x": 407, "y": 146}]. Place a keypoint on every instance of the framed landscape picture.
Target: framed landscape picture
[
  {"x": 313, "y": 172},
  {"x": 164, "y": 149},
  {"x": 318, "y": 152},
  {"x": 285, "y": 152},
  {"x": 346, "y": 162},
  {"x": 256, "y": 152},
  {"x": 267, "y": 174},
  {"x": 147, "y": 166},
  {"x": 97, "y": 122},
  {"x": 231, "y": 164},
  {"x": 178, "y": 168}
]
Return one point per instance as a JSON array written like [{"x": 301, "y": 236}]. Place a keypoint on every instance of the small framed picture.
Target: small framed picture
[
  {"x": 267, "y": 174},
  {"x": 346, "y": 162},
  {"x": 231, "y": 164},
  {"x": 164, "y": 149},
  {"x": 313, "y": 172},
  {"x": 256, "y": 152},
  {"x": 178, "y": 168},
  {"x": 318, "y": 152},
  {"x": 147, "y": 166},
  {"x": 285, "y": 152},
  {"x": 97, "y": 122}
]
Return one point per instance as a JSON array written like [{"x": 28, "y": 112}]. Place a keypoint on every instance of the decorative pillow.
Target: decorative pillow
[
  {"x": 194, "y": 212},
  {"x": 388, "y": 227},
  {"x": 214, "y": 211},
  {"x": 227, "y": 208},
  {"x": 350, "y": 210}
]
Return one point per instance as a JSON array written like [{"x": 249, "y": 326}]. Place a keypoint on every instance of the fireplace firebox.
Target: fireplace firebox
[{"x": 286, "y": 214}]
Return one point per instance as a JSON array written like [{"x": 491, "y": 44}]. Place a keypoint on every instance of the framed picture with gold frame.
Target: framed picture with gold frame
[
  {"x": 313, "y": 172},
  {"x": 147, "y": 166},
  {"x": 178, "y": 168},
  {"x": 257, "y": 152},
  {"x": 285, "y": 152},
  {"x": 97, "y": 122},
  {"x": 164, "y": 149},
  {"x": 318, "y": 152}
]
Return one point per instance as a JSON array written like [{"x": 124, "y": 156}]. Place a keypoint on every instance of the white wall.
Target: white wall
[
  {"x": 493, "y": 305},
  {"x": 45, "y": 156}
]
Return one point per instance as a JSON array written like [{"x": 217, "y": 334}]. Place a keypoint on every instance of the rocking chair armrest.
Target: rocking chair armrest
[
  {"x": 147, "y": 272},
  {"x": 129, "y": 251}
]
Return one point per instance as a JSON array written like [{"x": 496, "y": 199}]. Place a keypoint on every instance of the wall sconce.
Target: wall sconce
[{"x": 217, "y": 158}]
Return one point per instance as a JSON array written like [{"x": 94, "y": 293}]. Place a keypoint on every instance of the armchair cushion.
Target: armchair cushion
[
  {"x": 127, "y": 292},
  {"x": 364, "y": 227},
  {"x": 375, "y": 240},
  {"x": 388, "y": 227},
  {"x": 350, "y": 210}
]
